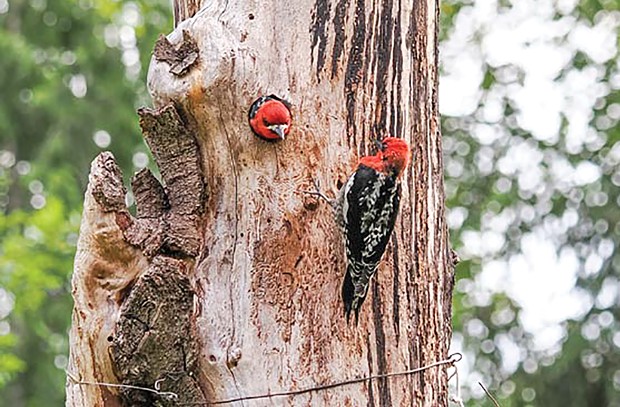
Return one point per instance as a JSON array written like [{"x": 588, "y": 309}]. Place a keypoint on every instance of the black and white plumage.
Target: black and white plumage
[
  {"x": 366, "y": 210},
  {"x": 368, "y": 206}
]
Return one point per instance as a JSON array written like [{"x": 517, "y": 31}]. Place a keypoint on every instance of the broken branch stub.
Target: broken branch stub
[
  {"x": 155, "y": 341},
  {"x": 149, "y": 194},
  {"x": 180, "y": 58},
  {"x": 133, "y": 314},
  {"x": 177, "y": 155}
]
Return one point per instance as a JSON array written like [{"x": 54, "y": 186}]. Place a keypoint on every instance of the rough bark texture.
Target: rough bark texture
[
  {"x": 227, "y": 283},
  {"x": 134, "y": 302}
]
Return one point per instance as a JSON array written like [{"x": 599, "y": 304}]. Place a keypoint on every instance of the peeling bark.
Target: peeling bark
[
  {"x": 226, "y": 284},
  {"x": 155, "y": 341},
  {"x": 134, "y": 301},
  {"x": 180, "y": 58}
]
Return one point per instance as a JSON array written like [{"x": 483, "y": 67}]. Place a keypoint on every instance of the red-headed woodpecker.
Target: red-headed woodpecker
[{"x": 270, "y": 118}]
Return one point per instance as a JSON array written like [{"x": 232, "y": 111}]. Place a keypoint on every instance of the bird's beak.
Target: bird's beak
[
  {"x": 279, "y": 129},
  {"x": 379, "y": 145},
  {"x": 280, "y": 132}
]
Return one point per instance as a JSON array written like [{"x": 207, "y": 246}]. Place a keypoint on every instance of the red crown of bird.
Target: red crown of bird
[{"x": 392, "y": 157}]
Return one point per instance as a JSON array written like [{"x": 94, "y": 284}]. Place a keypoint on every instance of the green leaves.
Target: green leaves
[
  {"x": 71, "y": 75},
  {"x": 10, "y": 364},
  {"x": 532, "y": 180},
  {"x": 37, "y": 253}
]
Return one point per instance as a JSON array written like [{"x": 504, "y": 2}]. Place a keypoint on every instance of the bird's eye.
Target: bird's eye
[{"x": 265, "y": 122}]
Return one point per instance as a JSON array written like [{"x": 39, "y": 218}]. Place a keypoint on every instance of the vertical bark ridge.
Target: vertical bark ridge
[
  {"x": 354, "y": 67},
  {"x": 320, "y": 17},
  {"x": 385, "y": 398},
  {"x": 395, "y": 288}
]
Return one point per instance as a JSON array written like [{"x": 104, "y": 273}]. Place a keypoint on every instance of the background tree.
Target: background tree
[
  {"x": 530, "y": 103},
  {"x": 66, "y": 69}
]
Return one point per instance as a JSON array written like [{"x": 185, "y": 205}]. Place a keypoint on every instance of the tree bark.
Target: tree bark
[{"x": 226, "y": 283}]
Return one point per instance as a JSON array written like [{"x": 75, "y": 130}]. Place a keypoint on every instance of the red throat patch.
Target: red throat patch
[{"x": 373, "y": 161}]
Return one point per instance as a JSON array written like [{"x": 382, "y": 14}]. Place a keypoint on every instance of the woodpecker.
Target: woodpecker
[
  {"x": 366, "y": 210},
  {"x": 270, "y": 118}
]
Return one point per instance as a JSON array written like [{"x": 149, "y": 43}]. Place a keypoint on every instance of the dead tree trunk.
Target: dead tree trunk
[{"x": 226, "y": 282}]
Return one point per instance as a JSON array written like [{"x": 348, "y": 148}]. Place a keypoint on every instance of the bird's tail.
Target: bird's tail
[
  {"x": 354, "y": 293},
  {"x": 351, "y": 297},
  {"x": 348, "y": 291}
]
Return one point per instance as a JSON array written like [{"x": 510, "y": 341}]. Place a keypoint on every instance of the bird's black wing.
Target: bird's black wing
[
  {"x": 370, "y": 205},
  {"x": 370, "y": 208}
]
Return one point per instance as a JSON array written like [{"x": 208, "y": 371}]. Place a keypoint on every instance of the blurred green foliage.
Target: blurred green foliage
[
  {"x": 71, "y": 76},
  {"x": 506, "y": 183}
]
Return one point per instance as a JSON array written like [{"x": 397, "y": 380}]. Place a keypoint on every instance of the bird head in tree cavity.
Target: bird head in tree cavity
[{"x": 270, "y": 118}]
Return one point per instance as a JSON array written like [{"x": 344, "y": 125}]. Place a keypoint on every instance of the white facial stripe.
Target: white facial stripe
[{"x": 274, "y": 127}]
